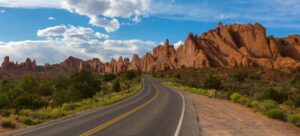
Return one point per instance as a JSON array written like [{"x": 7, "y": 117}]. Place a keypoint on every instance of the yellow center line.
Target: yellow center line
[{"x": 119, "y": 118}]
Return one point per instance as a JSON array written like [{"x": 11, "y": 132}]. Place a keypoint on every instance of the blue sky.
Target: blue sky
[{"x": 51, "y": 30}]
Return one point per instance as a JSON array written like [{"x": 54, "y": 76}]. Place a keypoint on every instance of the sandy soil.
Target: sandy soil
[{"x": 224, "y": 118}]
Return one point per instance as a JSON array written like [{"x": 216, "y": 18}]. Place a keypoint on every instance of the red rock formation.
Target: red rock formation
[
  {"x": 236, "y": 45},
  {"x": 28, "y": 65}
]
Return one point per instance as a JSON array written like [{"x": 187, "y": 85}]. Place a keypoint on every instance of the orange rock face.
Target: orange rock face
[{"x": 236, "y": 45}]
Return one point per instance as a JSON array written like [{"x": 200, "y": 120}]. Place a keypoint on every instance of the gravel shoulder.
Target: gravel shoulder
[{"x": 224, "y": 118}]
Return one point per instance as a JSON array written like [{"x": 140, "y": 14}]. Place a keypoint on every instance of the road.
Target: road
[{"x": 155, "y": 111}]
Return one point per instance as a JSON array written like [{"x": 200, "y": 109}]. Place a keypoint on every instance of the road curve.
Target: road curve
[{"x": 155, "y": 111}]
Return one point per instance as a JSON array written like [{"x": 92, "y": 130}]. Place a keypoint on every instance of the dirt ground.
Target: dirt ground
[{"x": 224, "y": 118}]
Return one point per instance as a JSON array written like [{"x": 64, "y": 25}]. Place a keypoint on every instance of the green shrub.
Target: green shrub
[
  {"x": 26, "y": 120},
  {"x": 5, "y": 113},
  {"x": 56, "y": 113},
  {"x": 255, "y": 104},
  {"x": 29, "y": 101},
  {"x": 212, "y": 82},
  {"x": 83, "y": 85},
  {"x": 129, "y": 75},
  {"x": 69, "y": 106},
  {"x": 294, "y": 99},
  {"x": 294, "y": 119},
  {"x": 254, "y": 76},
  {"x": 109, "y": 77},
  {"x": 267, "y": 105},
  {"x": 4, "y": 101},
  {"x": 295, "y": 81},
  {"x": 271, "y": 93},
  {"x": 275, "y": 113},
  {"x": 116, "y": 87},
  {"x": 244, "y": 100},
  {"x": 8, "y": 123},
  {"x": 235, "y": 97},
  {"x": 193, "y": 83},
  {"x": 240, "y": 75}
]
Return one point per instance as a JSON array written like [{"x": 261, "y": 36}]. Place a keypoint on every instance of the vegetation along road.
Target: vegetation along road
[{"x": 155, "y": 111}]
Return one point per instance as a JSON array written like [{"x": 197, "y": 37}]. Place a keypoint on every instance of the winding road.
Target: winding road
[{"x": 155, "y": 111}]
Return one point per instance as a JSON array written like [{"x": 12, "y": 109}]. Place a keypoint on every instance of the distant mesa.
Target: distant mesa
[{"x": 235, "y": 45}]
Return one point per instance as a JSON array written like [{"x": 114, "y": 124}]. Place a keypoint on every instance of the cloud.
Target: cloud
[
  {"x": 104, "y": 13},
  {"x": 63, "y": 41},
  {"x": 51, "y": 18},
  {"x": 2, "y": 11},
  {"x": 71, "y": 32},
  {"x": 177, "y": 44},
  {"x": 31, "y": 3}
]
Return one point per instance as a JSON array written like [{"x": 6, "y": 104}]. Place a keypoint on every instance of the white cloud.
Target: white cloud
[
  {"x": 71, "y": 32},
  {"x": 31, "y": 3},
  {"x": 104, "y": 13},
  {"x": 55, "y": 51},
  {"x": 51, "y": 18},
  {"x": 63, "y": 41},
  {"x": 177, "y": 44}
]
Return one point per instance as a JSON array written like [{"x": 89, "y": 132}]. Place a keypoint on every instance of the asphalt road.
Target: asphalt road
[{"x": 155, "y": 111}]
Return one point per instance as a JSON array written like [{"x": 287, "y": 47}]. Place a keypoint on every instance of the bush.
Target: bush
[
  {"x": 212, "y": 82},
  {"x": 294, "y": 100},
  {"x": 56, "y": 113},
  {"x": 4, "y": 101},
  {"x": 116, "y": 87},
  {"x": 254, "y": 76},
  {"x": 109, "y": 77},
  {"x": 254, "y": 104},
  {"x": 267, "y": 105},
  {"x": 5, "y": 113},
  {"x": 275, "y": 113},
  {"x": 271, "y": 93},
  {"x": 240, "y": 75},
  {"x": 193, "y": 83},
  {"x": 8, "y": 123},
  {"x": 129, "y": 75},
  {"x": 294, "y": 119},
  {"x": 295, "y": 81},
  {"x": 69, "y": 106},
  {"x": 30, "y": 101},
  {"x": 244, "y": 100},
  {"x": 83, "y": 85},
  {"x": 26, "y": 120},
  {"x": 235, "y": 97}
]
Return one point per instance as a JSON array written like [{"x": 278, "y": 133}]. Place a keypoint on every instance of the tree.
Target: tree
[
  {"x": 84, "y": 85},
  {"x": 129, "y": 75},
  {"x": 4, "y": 101},
  {"x": 116, "y": 86},
  {"x": 109, "y": 77}
]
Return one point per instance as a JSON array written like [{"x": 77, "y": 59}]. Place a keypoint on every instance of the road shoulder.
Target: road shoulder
[{"x": 224, "y": 118}]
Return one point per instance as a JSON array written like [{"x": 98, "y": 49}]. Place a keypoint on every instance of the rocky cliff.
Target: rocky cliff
[{"x": 236, "y": 45}]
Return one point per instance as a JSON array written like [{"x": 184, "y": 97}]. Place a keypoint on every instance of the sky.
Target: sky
[{"x": 52, "y": 30}]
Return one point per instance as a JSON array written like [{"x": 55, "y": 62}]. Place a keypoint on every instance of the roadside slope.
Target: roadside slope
[{"x": 224, "y": 118}]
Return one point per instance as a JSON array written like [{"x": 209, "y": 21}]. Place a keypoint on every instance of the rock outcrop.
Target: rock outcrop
[
  {"x": 28, "y": 65},
  {"x": 236, "y": 45}
]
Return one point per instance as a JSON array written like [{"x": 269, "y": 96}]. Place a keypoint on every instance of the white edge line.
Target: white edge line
[
  {"x": 59, "y": 122},
  {"x": 182, "y": 113}
]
